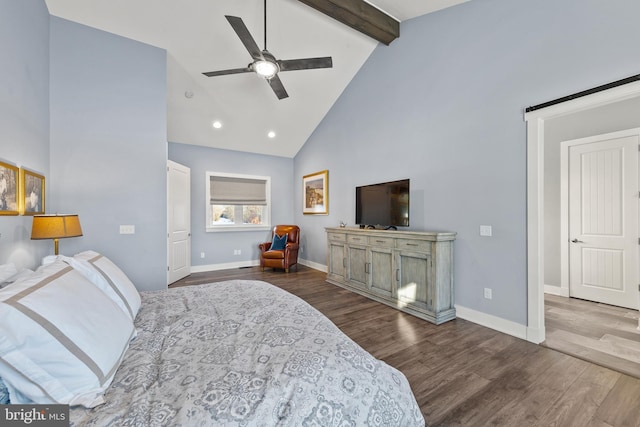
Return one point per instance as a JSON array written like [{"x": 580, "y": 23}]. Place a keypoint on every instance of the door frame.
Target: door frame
[
  {"x": 535, "y": 192},
  {"x": 564, "y": 198}
]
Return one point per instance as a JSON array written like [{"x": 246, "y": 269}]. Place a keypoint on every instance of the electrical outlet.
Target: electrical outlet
[
  {"x": 485, "y": 230},
  {"x": 127, "y": 229},
  {"x": 488, "y": 293},
  {"x": 237, "y": 252},
  {"x": 201, "y": 254}
]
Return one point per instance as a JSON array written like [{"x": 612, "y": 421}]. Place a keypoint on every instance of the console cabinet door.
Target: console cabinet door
[
  {"x": 413, "y": 275},
  {"x": 381, "y": 272},
  {"x": 357, "y": 270},
  {"x": 336, "y": 259}
]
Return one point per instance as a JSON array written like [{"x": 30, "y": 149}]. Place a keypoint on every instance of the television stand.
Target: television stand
[{"x": 408, "y": 270}]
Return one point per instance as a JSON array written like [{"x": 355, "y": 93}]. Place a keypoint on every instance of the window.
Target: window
[{"x": 238, "y": 202}]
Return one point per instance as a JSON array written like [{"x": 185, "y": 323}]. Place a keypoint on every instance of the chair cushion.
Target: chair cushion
[
  {"x": 273, "y": 255},
  {"x": 279, "y": 242}
]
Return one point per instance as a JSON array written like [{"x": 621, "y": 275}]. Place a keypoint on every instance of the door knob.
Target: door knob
[{"x": 577, "y": 241}]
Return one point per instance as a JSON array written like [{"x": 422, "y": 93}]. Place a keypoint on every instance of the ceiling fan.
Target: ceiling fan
[{"x": 264, "y": 63}]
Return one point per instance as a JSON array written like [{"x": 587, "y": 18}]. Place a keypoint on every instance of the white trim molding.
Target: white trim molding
[
  {"x": 314, "y": 265},
  {"x": 496, "y": 323},
  {"x": 223, "y": 266},
  {"x": 535, "y": 193},
  {"x": 251, "y": 263},
  {"x": 556, "y": 290}
]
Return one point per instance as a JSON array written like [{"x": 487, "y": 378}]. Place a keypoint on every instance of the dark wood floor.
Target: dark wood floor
[
  {"x": 463, "y": 374},
  {"x": 599, "y": 333}
]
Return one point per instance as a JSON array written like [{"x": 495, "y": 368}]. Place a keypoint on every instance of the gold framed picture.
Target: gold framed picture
[
  {"x": 315, "y": 193},
  {"x": 9, "y": 189},
  {"x": 33, "y": 190}
]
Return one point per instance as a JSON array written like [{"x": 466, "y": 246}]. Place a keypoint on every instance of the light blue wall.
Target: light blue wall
[
  {"x": 219, "y": 247},
  {"x": 24, "y": 113},
  {"x": 443, "y": 105},
  {"x": 109, "y": 146}
]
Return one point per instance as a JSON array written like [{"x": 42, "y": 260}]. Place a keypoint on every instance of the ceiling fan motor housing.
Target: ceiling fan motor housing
[{"x": 266, "y": 67}]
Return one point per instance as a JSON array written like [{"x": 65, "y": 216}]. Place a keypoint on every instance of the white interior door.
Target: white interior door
[
  {"x": 603, "y": 218},
  {"x": 179, "y": 221}
]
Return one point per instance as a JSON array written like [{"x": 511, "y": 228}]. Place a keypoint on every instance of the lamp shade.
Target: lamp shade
[{"x": 55, "y": 227}]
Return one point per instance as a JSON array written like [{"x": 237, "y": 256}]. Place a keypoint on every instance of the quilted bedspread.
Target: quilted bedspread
[{"x": 247, "y": 353}]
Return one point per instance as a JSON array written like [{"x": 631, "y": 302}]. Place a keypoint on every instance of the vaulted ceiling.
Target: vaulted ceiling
[{"x": 198, "y": 38}]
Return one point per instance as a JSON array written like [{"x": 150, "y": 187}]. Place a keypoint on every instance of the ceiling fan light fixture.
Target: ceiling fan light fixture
[{"x": 266, "y": 69}]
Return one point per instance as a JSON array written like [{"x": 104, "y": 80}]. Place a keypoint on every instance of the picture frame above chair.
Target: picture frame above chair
[{"x": 315, "y": 193}]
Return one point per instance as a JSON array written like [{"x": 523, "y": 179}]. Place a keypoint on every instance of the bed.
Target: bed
[{"x": 239, "y": 353}]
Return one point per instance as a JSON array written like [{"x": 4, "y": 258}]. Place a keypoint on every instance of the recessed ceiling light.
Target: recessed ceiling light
[
  {"x": 217, "y": 124},
  {"x": 271, "y": 134}
]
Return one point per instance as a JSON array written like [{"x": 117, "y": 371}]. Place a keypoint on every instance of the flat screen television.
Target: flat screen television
[{"x": 385, "y": 204}]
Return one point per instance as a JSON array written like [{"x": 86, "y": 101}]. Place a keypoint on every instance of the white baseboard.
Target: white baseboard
[
  {"x": 314, "y": 265},
  {"x": 490, "y": 321},
  {"x": 556, "y": 290},
  {"x": 252, "y": 263},
  {"x": 223, "y": 266}
]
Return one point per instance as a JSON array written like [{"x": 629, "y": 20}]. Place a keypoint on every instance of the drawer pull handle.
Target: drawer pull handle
[
  {"x": 379, "y": 241},
  {"x": 412, "y": 244}
]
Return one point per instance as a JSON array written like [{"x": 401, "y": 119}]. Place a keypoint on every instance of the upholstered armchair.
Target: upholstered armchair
[{"x": 285, "y": 252}]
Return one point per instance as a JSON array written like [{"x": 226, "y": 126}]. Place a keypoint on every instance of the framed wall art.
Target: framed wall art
[
  {"x": 315, "y": 193},
  {"x": 9, "y": 189},
  {"x": 33, "y": 190}
]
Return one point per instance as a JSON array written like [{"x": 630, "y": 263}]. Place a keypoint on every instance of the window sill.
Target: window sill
[{"x": 236, "y": 228}]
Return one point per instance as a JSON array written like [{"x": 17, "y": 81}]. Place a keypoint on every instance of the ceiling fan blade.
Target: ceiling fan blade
[
  {"x": 245, "y": 36},
  {"x": 305, "y": 64},
  {"x": 278, "y": 87},
  {"x": 225, "y": 72}
]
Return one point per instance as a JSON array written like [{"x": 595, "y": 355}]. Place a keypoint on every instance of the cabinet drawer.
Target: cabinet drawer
[
  {"x": 383, "y": 242},
  {"x": 361, "y": 240},
  {"x": 413, "y": 245},
  {"x": 337, "y": 237}
]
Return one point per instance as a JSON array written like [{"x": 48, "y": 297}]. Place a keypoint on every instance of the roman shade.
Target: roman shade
[{"x": 226, "y": 190}]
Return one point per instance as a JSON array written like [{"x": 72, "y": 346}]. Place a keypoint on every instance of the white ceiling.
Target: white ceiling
[{"x": 198, "y": 38}]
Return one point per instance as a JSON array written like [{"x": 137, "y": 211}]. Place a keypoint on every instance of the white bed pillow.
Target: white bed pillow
[
  {"x": 107, "y": 276},
  {"x": 61, "y": 338},
  {"x": 18, "y": 276},
  {"x": 7, "y": 270}
]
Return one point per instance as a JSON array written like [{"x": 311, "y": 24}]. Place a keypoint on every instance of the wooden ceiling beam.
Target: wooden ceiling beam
[{"x": 360, "y": 16}]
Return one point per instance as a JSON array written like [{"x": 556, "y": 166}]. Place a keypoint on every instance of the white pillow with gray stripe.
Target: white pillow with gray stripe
[
  {"x": 109, "y": 278},
  {"x": 61, "y": 338}
]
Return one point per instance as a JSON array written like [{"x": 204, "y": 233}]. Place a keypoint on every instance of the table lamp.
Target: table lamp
[{"x": 55, "y": 227}]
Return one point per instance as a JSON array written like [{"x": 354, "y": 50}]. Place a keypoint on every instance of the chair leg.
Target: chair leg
[{"x": 286, "y": 270}]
